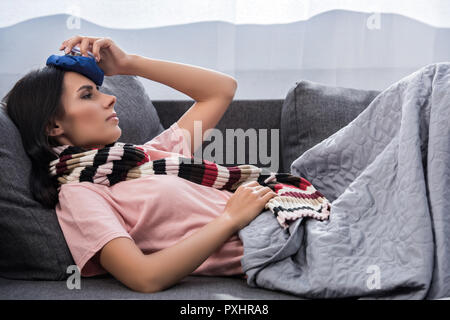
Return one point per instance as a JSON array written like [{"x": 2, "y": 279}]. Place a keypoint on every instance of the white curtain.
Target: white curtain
[{"x": 266, "y": 45}]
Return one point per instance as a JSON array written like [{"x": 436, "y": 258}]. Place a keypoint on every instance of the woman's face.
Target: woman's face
[{"x": 86, "y": 109}]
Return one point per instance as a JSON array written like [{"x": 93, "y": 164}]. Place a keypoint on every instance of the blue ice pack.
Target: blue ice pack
[{"x": 87, "y": 66}]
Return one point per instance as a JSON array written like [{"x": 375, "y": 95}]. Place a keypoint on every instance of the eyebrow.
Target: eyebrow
[{"x": 86, "y": 86}]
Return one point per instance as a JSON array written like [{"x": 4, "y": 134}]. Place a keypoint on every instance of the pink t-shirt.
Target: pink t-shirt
[{"x": 155, "y": 211}]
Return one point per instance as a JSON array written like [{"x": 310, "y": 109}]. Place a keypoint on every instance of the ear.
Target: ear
[{"x": 54, "y": 129}]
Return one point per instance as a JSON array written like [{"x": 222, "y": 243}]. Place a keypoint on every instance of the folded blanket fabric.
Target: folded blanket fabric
[{"x": 116, "y": 162}]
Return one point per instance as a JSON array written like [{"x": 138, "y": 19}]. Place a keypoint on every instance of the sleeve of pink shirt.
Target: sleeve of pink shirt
[
  {"x": 88, "y": 223},
  {"x": 170, "y": 142}
]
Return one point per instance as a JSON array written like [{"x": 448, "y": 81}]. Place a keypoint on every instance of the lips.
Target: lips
[{"x": 111, "y": 116}]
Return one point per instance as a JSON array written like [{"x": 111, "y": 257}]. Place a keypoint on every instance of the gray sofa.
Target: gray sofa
[{"x": 310, "y": 113}]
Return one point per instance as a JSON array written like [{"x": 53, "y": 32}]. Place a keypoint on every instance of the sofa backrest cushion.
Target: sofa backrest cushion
[
  {"x": 312, "y": 112},
  {"x": 32, "y": 246},
  {"x": 244, "y": 127}
]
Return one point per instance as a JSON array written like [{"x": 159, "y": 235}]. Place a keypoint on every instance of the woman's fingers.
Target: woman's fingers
[
  {"x": 70, "y": 43},
  {"x": 84, "y": 47},
  {"x": 63, "y": 44},
  {"x": 260, "y": 189},
  {"x": 252, "y": 183},
  {"x": 269, "y": 195},
  {"x": 263, "y": 190},
  {"x": 86, "y": 43},
  {"x": 97, "y": 45}
]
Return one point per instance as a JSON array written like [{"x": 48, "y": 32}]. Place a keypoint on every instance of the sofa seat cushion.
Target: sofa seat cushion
[{"x": 106, "y": 287}]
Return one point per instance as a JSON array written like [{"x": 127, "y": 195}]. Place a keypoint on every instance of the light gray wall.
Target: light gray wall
[{"x": 336, "y": 48}]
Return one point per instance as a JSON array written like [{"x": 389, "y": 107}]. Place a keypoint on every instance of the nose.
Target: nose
[{"x": 112, "y": 101}]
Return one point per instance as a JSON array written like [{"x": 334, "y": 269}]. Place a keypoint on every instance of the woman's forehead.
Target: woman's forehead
[{"x": 74, "y": 80}]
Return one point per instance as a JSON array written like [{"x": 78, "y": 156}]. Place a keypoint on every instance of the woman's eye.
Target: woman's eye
[{"x": 85, "y": 97}]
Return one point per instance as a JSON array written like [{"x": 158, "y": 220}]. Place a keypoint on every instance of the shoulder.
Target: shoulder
[
  {"x": 84, "y": 186},
  {"x": 82, "y": 193},
  {"x": 173, "y": 139}
]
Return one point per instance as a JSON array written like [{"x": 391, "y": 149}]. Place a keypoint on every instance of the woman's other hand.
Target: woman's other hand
[
  {"x": 110, "y": 58},
  {"x": 247, "y": 202}
]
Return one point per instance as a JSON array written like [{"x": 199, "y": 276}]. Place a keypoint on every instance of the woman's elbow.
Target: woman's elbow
[
  {"x": 230, "y": 89},
  {"x": 234, "y": 86},
  {"x": 146, "y": 287}
]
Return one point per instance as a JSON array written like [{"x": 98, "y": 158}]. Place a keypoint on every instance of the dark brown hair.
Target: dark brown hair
[{"x": 33, "y": 103}]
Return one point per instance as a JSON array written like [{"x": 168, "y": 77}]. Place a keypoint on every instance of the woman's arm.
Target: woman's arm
[
  {"x": 198, "y": 83},
  {"x": 213, "y": 91},
  {"x": 162, "y": 269},
  {"x": 157, "y": 271}
]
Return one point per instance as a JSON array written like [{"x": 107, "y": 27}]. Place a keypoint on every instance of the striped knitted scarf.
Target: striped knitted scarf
[{"x": 116, "y": 162}]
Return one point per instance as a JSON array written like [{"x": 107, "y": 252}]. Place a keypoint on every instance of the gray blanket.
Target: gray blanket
[{"x": 387, "y": 174}]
